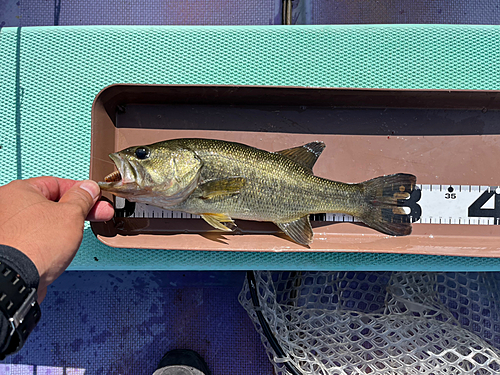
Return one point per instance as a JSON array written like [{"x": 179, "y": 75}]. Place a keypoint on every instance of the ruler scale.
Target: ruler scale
[{"x": 428, "y": 204}]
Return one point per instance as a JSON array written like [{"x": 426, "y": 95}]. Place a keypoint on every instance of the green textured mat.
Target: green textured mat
[{"x": 49, "y": 77}]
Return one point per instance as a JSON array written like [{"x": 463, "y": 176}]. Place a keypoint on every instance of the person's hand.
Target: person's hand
[{"x": 44, "y": 218}]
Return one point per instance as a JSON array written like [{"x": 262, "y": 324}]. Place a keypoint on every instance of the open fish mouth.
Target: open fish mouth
[{"x": 122, "y": 177}]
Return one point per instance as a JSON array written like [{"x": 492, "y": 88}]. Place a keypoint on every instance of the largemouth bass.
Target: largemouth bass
[{"x": 222, "y": 181}]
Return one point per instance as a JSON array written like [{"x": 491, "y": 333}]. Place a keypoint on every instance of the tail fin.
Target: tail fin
[{"x": 384, "y": 197}]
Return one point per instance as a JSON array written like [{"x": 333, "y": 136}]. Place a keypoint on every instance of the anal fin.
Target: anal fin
[
  {"x": 298, "y": 230},
  {"x": 217, "y": 221}
]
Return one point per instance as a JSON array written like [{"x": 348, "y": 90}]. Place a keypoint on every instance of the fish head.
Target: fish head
[{"x": 156, "y": 171}]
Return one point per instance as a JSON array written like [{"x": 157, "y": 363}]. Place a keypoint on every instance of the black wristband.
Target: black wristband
[{"x": 19, "y": 306}]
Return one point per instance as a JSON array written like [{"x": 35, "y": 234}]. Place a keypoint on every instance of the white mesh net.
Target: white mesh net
[{"x": 377, "y": 323}]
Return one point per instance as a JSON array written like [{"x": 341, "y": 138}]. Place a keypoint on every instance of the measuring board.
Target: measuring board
[{"x": 429, "y": 204}]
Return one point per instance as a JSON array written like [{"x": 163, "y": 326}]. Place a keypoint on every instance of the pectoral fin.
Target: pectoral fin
[
  {"x": 222, "y": 187},
  {"x": 217, "y": 220},
  {"x": 298, "y": 230},
  {"x": 305, "y": 155}
]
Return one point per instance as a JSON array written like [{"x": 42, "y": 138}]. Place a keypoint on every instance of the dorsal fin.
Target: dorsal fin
[{"x": 305, "y": 155}]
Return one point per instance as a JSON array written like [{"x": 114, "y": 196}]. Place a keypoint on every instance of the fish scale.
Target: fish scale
[
  {"x": 222, "y": 181},
  {"x": 277, "y": 186}
]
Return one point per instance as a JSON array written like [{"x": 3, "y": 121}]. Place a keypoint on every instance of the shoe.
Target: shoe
[{"x": 182, "y": 361}]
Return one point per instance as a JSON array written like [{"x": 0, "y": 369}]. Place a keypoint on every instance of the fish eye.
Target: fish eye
[{"x": 142, "y": 152}]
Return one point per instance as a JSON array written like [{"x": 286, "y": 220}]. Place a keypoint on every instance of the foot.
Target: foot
[{"x": 182, "y": 362}]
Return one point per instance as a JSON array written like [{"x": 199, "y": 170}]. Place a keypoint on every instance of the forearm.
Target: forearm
[
  {"x": 44, "y": 219},
  {"x": 24, "y": 267}
]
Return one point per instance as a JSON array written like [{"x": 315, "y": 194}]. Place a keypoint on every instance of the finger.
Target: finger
[
  {"x": 82, "y": 194},
  {"x": 102, "y": 211},
  {"x": 52, "y": 188}
]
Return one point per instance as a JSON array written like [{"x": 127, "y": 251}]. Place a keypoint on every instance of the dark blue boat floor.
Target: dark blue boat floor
[{"x": 123, "y": 323}]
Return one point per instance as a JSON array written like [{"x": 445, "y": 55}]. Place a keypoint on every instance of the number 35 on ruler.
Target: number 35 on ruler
[{"x": 456, "y": 204}]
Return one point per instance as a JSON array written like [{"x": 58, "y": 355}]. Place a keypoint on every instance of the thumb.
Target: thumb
[{"x": 83, "y": 194}]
